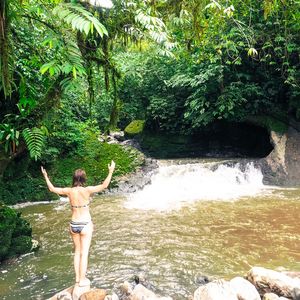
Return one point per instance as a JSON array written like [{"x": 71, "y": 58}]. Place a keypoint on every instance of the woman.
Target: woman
[{"x": 81, "y": 226}]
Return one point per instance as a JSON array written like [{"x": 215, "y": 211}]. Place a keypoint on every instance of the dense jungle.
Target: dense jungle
[{"x": 171, "y": 74}]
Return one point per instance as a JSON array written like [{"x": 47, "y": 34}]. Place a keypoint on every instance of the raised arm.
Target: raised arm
[
  {"x": 52, "y": 188},
  {"x": 105, "y": 183}
]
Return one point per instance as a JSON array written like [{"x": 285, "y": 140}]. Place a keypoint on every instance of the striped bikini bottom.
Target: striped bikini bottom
[{"x": 77, "y": 227}]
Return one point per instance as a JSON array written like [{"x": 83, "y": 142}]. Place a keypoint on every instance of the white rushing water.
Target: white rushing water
[{"x": 178, "y": 184}]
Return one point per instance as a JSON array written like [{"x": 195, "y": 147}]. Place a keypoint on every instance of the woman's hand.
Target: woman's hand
[
  {"x": 111, "y": 167},
  {"x": 44, "y": 172}
]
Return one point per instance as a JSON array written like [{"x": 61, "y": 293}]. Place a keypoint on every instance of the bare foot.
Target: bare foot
[{"x": 84, "y": 282}]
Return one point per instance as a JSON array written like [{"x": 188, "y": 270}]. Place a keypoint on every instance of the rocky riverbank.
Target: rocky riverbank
[{"x": 259, "y": 283}]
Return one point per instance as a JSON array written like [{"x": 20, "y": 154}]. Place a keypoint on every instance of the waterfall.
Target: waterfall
[{"x": 175, "y": 185}]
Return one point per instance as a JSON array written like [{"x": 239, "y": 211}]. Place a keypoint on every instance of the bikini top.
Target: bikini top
[{"x": 80, "y": 206}]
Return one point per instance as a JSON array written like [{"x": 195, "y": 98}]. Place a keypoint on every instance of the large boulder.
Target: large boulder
[
  {"x": 15, "y": 233},
  {"x": 244, "y": 289},
  {"x": 95, "y": 294},
  {"x": 269, "y": 281},
  {"x": 134, "y": 128},
  {"x": 216, "y": 290},
  {"x": 282, "y": 165}
]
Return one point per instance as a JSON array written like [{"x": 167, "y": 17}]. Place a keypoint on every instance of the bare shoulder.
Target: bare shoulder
[
  {"x": 66, "y": 191},
  {"x": 95, "y": 189}
]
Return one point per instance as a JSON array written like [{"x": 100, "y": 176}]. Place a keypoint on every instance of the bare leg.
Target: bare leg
[
  {"x": 85, "y": 242},
  {"x": 76, "y": 241}
]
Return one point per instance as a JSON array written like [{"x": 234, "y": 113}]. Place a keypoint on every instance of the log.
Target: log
[{"x": 269, "y": 281}]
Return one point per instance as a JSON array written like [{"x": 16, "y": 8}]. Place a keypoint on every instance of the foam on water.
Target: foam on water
[{"x": 176, "y": 185}]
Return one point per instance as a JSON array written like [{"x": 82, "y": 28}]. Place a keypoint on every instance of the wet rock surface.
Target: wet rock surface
[
  {"x": 137, "y": 180},
  {"x": 282, "y": 165}
]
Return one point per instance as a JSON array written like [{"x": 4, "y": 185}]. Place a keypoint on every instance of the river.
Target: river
[{"x": 195, "y": 218}]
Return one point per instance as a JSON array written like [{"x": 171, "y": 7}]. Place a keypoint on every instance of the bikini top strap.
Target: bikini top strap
[{"x": 80, "y": 206}]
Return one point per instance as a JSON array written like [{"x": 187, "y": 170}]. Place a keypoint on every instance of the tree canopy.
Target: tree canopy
[{"x": 178, "y": 65}]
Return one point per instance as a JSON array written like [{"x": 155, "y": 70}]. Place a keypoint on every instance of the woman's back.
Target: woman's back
[{"x": 79, "y": 200}]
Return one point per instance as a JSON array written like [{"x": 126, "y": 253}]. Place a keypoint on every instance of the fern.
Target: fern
[
  {"x": 35, "y": 141},
  {"x": 71, "y": 65},
  {"x": 79, "y": 18}
]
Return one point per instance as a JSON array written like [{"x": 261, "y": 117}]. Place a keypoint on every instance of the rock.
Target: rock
[
  {"x": 79, "y": 290},
  {"x": 268, "y": 281},
  {"x": 136, "y": 181},
  {"x": 270, "y": 296},
  {"x": 126, "y": 288},
  {"x": 64, "y": 296},
  {"x": 134, "y": 128},
  {"x": 215, "y": 290},
  {"x": 202, "y": 279},
  {"x": 111, "y": 297},
  {"x": 282, "y": 165},
  {"x": 118, "y": 135},
  {"x": 296, "y": 293},
  {"x": 244, "y": 289},
  {"x": 142, "y": 293},
  {"x": 95, "y": 294},
  {"x": 35, "y": 245},
  {"x": 292, "y": 274},
  {"x": 139, "y": 293}
]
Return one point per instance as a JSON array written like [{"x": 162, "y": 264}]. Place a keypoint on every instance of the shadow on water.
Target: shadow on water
[{"x": 173, "y": 246}]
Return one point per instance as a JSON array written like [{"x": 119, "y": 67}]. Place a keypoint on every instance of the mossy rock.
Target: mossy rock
[
  {"x": 20, "y": 245},
  {"x": 134, "y": 128},
  {"x": 15, "y": 233}
]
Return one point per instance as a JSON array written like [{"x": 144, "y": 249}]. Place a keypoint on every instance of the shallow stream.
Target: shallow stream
[{"x": 196, "y": 218}]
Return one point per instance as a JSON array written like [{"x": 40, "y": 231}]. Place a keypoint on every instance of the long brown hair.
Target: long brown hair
[{"x": 79, "y": 178}]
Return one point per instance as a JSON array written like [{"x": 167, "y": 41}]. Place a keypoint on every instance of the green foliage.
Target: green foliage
[
  {"x": 134, "y": 128},
  {"x": 80, "y": 148},
  {"x": 9, "y": 136},
  {"x": 79, "y": 18},
  {"x": 15, "y": 233},
  {"x": 35, "y": 141}
]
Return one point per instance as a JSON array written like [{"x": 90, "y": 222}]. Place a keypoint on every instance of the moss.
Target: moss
[
  {"x": 15, "y": 233},
  {"x": 134, "y": 128},
  {"x": 270, "y": 123}
]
